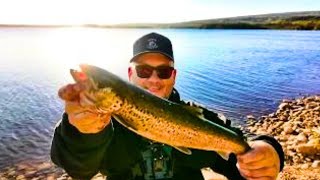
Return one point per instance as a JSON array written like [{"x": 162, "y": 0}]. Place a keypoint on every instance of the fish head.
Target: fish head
[{"x": 99, "y": 86}]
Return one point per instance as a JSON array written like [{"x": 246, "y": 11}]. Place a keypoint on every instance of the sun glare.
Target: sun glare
[
  {"x": 69, "y": 47},
  {"x": 73, "y": 12}
]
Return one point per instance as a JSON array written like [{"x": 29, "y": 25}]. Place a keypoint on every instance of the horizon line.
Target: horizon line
[{"x": 141, "y": 23}]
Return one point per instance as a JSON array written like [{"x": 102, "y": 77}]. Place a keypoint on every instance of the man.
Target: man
[{"x": 86, "y": 142}]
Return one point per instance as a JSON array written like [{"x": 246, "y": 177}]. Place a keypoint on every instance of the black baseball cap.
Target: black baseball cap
[{"x": 153, "y": 42}]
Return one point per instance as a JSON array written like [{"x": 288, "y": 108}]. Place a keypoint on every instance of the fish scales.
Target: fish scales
[{"x": 156, "y": 118}]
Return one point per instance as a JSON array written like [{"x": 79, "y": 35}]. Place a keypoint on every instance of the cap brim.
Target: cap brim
[{"x": 167, "y": 55}]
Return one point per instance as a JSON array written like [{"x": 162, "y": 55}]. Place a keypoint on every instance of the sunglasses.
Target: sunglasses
[{"x": 145, "y": 71}]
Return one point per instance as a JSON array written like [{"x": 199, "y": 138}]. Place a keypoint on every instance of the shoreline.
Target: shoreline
[
  {"x": 290, "y": 26},
  {"x": 295, "y": 124}
]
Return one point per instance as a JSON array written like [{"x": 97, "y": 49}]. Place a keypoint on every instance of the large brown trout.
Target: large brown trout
[{"x": 156, "y": 118}]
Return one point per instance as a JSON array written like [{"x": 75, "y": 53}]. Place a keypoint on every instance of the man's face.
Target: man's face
[{"x": 155, "y": 85}]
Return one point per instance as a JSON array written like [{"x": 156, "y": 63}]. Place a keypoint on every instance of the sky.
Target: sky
[{"x": 75, "y": 12}]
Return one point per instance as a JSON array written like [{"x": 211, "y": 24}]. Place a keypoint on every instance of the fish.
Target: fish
[{"x": 181, "y": 126}]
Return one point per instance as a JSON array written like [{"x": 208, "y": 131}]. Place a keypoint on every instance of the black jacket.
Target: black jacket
[{"x": 116, "y": 150}]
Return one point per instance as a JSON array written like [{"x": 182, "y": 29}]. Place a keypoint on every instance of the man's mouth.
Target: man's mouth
[{"x": 153, "y": 89}]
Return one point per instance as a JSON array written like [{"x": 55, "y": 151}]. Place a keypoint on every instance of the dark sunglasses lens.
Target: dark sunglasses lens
[
  {"x": 164, "y": 72},
  {"x": 144, "y": 71}
]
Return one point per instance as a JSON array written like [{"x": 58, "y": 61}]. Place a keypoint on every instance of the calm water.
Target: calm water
[{"x": 238, "y": 72}]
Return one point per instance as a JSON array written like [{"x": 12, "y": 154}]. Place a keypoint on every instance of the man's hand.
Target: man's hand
[
  {"x": 260, "y": 163},
  {"x": 81, "y": 112}
]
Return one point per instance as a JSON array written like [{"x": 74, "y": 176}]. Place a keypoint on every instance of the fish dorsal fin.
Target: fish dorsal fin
[
  {"x": 183, "y": 150},
  {"x": 222, "y": 117},
  {"x": 194, "y": 109}
]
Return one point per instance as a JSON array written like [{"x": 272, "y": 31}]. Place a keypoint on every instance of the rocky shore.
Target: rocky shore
[
  {"x": 295, "y": 124},
  {"x": 33, "y": 170}
]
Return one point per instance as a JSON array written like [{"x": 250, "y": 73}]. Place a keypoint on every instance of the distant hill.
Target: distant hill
[
  {"x": 297, "y": 20},
  {"x": 309, "y": 20}
]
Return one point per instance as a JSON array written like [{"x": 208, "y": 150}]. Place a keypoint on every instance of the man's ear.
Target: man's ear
[
  {"x": 174, "y": 74},
  {"x": 130, "y": 71}
]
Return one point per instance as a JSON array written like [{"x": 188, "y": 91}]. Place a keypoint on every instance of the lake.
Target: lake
[{"x": 236, "y": 72}]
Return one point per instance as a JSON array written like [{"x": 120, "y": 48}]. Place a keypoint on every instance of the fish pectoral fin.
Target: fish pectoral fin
[
  {"x": 125, "y": 124},
  {"x": 183, "y": 150},
  {"x": 224, "y": 155}
]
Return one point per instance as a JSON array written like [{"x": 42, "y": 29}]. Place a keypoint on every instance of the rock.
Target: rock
[
  {"x": 304, "y": 166},
  {"x": 283, "y": 118},
  {"x": 20, "y": 177},
  {"x": 258, "y": 124},
  {"x": 36, "y": 178},
  {"x": 316, "y": 164},
  {"x": 302, "y": 138},
  {"x": 11, "y": 172},
  {"x": 253, "y": 129},
  {"x": 307, "y": 149},
  {"x": 51, "y": 177},
  {"x": 288, "y": 129},
  {"x": 99, "y": 176},
  {"x": 250, "y": 117},
  {"x": 317, "y": 109},
  {"x": 283, "y": 138},
  {"x": 270, "y": 131},
  {"x": 310, "y": 99},
  {"x": 299, "y": 102},
  {"x": 283, "y": 106},
  {"x": 30, "y": 173},
  {"x": 314, "y": 142},
  {"x": 262, "y": 132},
  {"x": 286, "y": 101},
  {"x": 22, "y": 166},
  {"x": 292, "y": 125},
  {"x": 44, "y": 166},
  {"x": 272, "y": 115},
  {"x": 306, "y": 131},
  {"x": 63, "y": 177}
]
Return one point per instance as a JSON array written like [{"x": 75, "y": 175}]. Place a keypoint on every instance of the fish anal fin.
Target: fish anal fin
[
  {"x": 224, "y": 155},
  {"x": 183, "y": 150}
]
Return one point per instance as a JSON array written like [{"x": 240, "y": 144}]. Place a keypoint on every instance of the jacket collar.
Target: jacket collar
[{"x": 174, "y": 96}]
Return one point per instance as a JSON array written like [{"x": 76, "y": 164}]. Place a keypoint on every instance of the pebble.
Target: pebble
[
  {"x": 296, "y": 125},
  {"x": 316, "y": 164},
  {"x": 44, "y": 166},
  {"x": 20, "y": 177},
  {"x": 304, "y": 166},
  {"x": 302, "y": 138},
  {"x": 288, "y": 129}
]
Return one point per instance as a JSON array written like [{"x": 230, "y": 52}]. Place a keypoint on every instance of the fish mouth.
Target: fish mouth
[
  {"x": 81, "y": 77},
  {"x": 84, "y": 67}
]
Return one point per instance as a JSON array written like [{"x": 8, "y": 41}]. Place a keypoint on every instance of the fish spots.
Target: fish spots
[
  {"x": 143, "y": 120},
  {"x": 107, "y": 100},
  {"x": 118, "y": 102}
]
